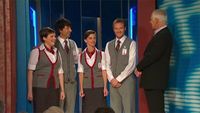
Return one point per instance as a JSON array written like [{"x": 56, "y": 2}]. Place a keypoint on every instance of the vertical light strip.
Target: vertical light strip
[
  {"x": 33, "y": 16},
  {"x": 131, "y": 24}
]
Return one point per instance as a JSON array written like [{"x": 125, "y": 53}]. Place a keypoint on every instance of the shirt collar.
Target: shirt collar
[
  {"x": 62, "y": 40},
  {"x": 49, "y": 50},
  {"x": 86, "y": 49},
  {"x": 90, "y": 53},
  {"x": 159, "y": 29},
  {"x": 121, "y": 39},
  {"x": 42, "y": 47}
]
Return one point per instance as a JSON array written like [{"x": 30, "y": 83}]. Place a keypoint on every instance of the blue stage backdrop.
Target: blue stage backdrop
[{"x": 183, "y": 95}]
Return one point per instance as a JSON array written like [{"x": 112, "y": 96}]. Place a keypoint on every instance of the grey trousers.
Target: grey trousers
[
  {"x": 122, "y": 99},
  {"x": 68, "y": 105}
]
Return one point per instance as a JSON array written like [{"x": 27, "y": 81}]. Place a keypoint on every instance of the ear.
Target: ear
[
  {"x": 85, "y": 40},
  {"x": 59, "y": 30},
  {"x": 44, "y": 38},
  {"x": 157, "y": 20}
]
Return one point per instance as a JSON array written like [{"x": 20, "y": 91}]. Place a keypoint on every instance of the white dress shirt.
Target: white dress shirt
[
  {"x": 130, "y": 66},
  {"x": 91, "y": 61},
  {"x": 33, "y": 60}
]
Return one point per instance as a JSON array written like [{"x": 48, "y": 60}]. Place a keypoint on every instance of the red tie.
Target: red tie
[
  {"x": 66, "y": 46},
  {"x": 118, "y": 45}
]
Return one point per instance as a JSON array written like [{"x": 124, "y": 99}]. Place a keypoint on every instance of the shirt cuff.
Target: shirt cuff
[
  {"x": 60, "y": 71},
  {"x": 80, "y": 70},
  {"x": 31, "y": 67},
  {"x": 110, "y": 78},
  {"x": 103, "y": 68},
  {"x": 119, "y": 79}
]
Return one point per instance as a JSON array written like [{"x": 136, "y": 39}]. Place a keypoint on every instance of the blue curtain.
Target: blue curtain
[{"x": 183, "y": 95}]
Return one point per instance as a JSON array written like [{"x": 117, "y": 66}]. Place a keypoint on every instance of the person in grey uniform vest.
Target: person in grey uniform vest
[
  {"x": 92, "y": 75},
  {"x": 121, "y": 60},
  {"x": 69, "y": 53},
  {"x": 45, "y": 73}
]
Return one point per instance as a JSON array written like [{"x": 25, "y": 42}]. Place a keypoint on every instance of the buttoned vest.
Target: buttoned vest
[
  {"x": 119, "y": 60},
  {"x": 92, "y": 77},
  {"x": 68, "y": 62}
]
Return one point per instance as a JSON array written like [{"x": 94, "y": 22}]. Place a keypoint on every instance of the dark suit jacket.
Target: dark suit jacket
[{"x": 155, "y": 63}]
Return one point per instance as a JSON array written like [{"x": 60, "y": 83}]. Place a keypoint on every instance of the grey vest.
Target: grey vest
[
  {"x": 92, "y": 74},
  {"x": 119, "y": 61},
  {"x": 68, "y": 63},
  {"x": 45, "y": 69}
]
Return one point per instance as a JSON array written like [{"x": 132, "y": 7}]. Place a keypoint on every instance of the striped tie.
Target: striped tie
[
  {"x": 66, "y": 46},
  {"x": 118, "y": 45}
]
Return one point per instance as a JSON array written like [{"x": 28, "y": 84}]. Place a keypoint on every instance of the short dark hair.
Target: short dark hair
[
  {"x": 104, "y": 110},
  {"x": 119, "y": 20},
  {"x": 88, "y": 32},
  {"x": 61, "y": 23},
  {"x": 44, "y": 32}
]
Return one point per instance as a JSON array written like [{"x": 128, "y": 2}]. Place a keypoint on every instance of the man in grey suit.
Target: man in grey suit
[
  {"x": 120, "y": 61},
  {"x": 154, "y": 67}
]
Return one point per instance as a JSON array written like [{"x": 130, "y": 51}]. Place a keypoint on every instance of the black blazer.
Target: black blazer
[{"x": 155, "y": 63}]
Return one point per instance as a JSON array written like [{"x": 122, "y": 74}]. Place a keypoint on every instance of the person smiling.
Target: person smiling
[
  {"x": 120, "y": 63},
  {"x": 69, "y": 53},
  {"x": 45, "y": 73},
  {"x": 92, "y": 75}
]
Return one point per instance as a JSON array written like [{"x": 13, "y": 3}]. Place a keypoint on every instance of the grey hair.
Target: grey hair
[{"x": 160, "y": 14}]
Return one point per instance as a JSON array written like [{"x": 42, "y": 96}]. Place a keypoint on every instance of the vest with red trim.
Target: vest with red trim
[
  {"x": 46, "y": 70},
  {"x": 92, "y": 75}
]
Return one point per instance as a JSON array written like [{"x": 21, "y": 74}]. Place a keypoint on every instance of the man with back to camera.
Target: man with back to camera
[{"x": 154, "y": 67}]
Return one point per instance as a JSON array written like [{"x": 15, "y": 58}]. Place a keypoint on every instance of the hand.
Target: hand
[
  {"x": 114, "y": 82},
  {"x": 118, "y": 85},
  {"x": 137, "y": 73},
  {"x": 105, "y": 92},
  {"x": 81, "y": 93},
  {"x": 30, "y": 96},
  {"x": 62, "y": 95}
]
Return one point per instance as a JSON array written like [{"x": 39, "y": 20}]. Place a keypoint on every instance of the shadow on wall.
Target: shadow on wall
[{"x": 1, "y": 107}]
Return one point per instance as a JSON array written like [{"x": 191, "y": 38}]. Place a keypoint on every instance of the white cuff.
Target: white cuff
[
  {"x": 110, "y": 78},
  {"x": 31, "y": 67},
  {"x": 119, "y": 79}
]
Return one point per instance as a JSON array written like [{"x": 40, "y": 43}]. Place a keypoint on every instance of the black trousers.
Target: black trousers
[
  {"x": 155, "y": 100},
  {"x": 43, "y": 98}
]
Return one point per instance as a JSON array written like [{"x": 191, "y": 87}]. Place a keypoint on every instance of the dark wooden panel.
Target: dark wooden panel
[{"x": 7, "y": 56}]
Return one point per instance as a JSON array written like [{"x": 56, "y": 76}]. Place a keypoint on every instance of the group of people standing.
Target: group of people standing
[{"x": 52, "y": 72}]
